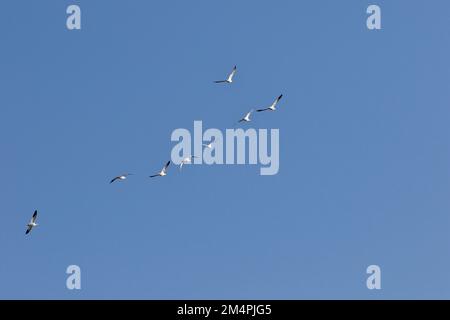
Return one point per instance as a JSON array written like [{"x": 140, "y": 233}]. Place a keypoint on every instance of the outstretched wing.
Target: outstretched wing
[
  {"x": 116, "y": 178},
  {"x": 34, "y": 217},
  {"x": 233, "y": 72},
  {"x": 277, "y": 100},
  {"x": 166, "y": 166}
]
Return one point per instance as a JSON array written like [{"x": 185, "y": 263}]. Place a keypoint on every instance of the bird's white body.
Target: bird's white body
[
  {"x": 32, "y": 223},
  {"x": 229, "y": 78},
  {"x": 186, "y": 161},
  {"x": 273, "y": 106},
  {"x": 121, "y": 177},
  {"x": 163, "y": 171},
  {"x": 247, "y": 117},
  {"x": 209, "y": 145}
]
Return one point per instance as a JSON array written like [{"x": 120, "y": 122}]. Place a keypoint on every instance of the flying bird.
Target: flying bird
[
  {"x": 163, "y": 171},
  {"x": 121, "y": 177},
  {"x": 247, "y": 117},
  {"x": 187, "y": 160},
  {"x": 209, "y": 145},
  {"x": 32, "y": 222},
  {"x": 230, "y": 77},
  {"x": 273, "y": 105}
]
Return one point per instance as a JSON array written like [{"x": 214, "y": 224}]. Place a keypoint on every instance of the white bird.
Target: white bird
[
  {"x": 121, "y": 177},
  {"x": 272, "y": 106},
  {"x": 230, "y": 77},
  {"x": 209, "y": 145},
  {"x": 247, "y": 117},
  {"x": 163, "y": 172},
  {"x": 32, "y": 222},
  {"x": 187, "y": 160}
]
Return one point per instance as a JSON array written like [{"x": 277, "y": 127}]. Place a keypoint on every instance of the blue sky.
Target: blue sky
[{"x": 364, "y": 150}]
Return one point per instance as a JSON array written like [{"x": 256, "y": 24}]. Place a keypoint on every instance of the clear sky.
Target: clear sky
[{"x": 364, "y": 149}]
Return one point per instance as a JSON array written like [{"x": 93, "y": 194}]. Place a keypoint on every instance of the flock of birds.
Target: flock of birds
[{"x": 185, "y": 160}]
